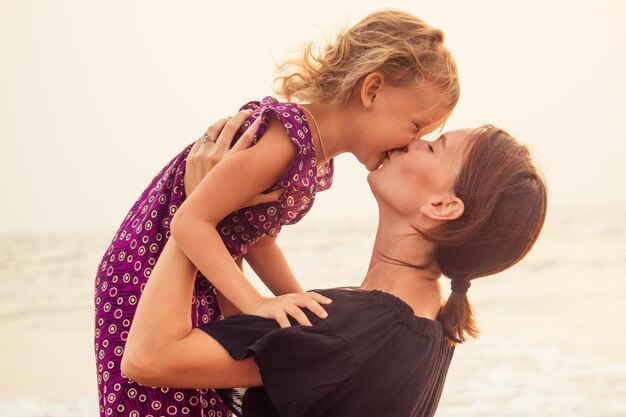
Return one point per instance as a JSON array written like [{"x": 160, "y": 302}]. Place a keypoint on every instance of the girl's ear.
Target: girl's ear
[
  {"x": 448, "y": 208},
  {"x": 370, "y": 86}
]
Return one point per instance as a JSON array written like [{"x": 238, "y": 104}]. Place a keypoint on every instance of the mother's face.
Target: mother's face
[{"x": 423, "y": 175}]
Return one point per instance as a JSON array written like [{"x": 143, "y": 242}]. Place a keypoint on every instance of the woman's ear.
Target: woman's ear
[
  {"x": 370, "y": 86},
  {"x": 449, "y": 208}
]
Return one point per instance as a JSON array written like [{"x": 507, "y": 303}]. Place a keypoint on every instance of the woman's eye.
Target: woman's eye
[
  {"x": 430, "y": 147},
  {"x": 416, "y": 130}
]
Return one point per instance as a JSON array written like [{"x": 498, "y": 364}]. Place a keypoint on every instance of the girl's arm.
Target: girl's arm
[
  {"x": 268, "y": 261},
  {"x": 162, "y": 348},
  {"x": 227, "y": 187}
]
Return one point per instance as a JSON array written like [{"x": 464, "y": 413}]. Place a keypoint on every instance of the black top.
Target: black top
[{"x": 370, "y": 357}]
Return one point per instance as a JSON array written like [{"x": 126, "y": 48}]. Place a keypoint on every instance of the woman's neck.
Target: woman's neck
[{"x": 419, "y": 288}]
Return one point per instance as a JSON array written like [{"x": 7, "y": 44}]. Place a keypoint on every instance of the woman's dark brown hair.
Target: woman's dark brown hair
[{"x": 505, "y": 202}]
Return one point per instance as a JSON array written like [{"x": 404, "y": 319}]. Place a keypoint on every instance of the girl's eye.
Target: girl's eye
[
  {"x": 416, "y": 130},
  {"x": 430, "y": 147}
]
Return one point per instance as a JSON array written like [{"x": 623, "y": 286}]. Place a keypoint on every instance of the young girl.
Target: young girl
[{"x": 383, "y": 82}]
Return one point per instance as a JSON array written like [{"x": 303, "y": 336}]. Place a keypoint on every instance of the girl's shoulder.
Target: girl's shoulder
[
  {"x": 282, "y": 108},
  {"x": 305, "y": 170},
  {"x": 290, "y": 115}
]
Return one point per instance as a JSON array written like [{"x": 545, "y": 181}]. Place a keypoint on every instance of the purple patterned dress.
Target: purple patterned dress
[{"x": 135, "y": 248}]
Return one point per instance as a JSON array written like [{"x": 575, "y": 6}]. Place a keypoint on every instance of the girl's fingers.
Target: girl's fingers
[
  {"x": 315, "y": 307},
  {"x": 247, "y": 138},
  {"x": 230, "y": 129},
  {"x": 282, "y": 319},
  {"x": 299, "y": 315},
  {"x": 319, "y": 297}
]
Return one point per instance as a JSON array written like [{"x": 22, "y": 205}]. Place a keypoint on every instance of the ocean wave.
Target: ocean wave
[{"x": 33, "y": 407}]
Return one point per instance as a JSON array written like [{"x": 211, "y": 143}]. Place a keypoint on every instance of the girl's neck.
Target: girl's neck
[{"x": 331, "y": 123}]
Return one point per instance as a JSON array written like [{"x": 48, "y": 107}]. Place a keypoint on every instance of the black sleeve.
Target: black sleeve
[{"x": 306, "y": 370}]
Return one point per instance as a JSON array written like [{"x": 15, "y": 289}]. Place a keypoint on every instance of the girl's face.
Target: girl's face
[
  {"x": 396, "y": 117},
  {"x": 424, "y": 174}
]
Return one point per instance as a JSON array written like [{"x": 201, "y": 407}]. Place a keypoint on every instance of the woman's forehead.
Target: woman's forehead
[{"x": 463, "y": 132}]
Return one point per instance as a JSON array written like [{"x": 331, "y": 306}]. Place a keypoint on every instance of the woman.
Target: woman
[{"x": 469, "y": 205}]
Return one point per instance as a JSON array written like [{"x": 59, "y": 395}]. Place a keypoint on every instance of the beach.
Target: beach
[{"x": 552, "y": 340}]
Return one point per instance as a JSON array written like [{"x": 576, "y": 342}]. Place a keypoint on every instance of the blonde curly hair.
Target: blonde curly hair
[{"x": 397, "y": 44}]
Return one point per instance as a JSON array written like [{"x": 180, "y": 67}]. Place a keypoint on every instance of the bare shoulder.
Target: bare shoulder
[
  {"x": 238, "y": 178},
  {"x": 276, "y": 139}
]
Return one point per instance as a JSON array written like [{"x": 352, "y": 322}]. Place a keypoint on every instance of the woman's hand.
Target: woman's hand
[
  {"x": 278, "y": 308},
  {"x": 214, "y": 146}
]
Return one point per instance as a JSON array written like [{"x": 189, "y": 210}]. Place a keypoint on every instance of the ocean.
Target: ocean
[{"x": 552, "y": 334}]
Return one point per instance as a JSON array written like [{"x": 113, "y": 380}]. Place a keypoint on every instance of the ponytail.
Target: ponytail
[{"x": 457, "y": 315}]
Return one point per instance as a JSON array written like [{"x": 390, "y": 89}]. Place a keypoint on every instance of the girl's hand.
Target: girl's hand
[
  {"x": 214, "y": 146},
  {"x": 278, "y": 308}
]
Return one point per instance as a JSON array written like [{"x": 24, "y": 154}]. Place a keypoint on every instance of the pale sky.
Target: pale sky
[{"x": 96, "y": 96}]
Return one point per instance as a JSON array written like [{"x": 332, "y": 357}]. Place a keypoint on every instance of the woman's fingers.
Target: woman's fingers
[
  {"x": 231, "y": 127},
  {"x": 216, "y": 128},
  {"x": 247, "y": 138},
  {"x": 213, "y": 146},
  {"x": 264, "y": 198},
  {"x": 213, "y": 132},
  {"x": 204, "y": 142}
]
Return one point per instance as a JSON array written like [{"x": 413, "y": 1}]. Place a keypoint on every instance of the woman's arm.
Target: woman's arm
[
  {"x": 162, "y": 348},
  {"x": 223, "y": 190}
]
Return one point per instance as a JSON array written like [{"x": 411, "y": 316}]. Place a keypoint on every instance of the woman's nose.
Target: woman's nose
[{"x": 415, "y": 144}]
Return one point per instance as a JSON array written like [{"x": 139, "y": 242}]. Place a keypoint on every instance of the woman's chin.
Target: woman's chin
[
  {"x": 370, "y": 175},
  {"x": 373, "y": 182}
]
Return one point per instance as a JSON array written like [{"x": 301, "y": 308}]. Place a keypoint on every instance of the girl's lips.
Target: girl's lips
[
  {"x": 387, "y": 155},
  {"x": 382, "y": 160},
  {"x": 391, "y": 152}
]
